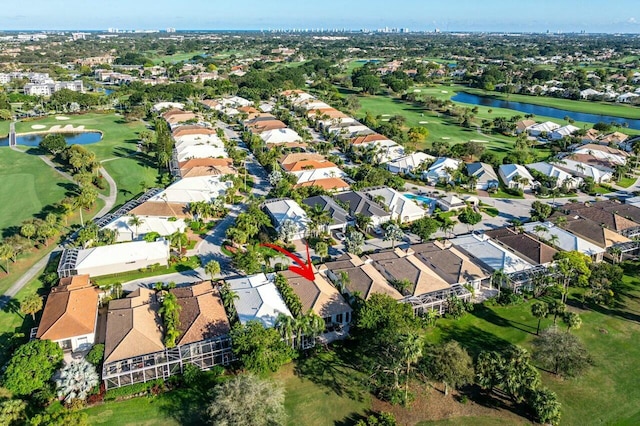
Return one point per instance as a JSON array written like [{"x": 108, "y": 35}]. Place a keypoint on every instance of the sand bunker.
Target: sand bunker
[
  {"x": 385, "y": 119},
  {"x": 38, "y": 127},
  {"x": 386, "y": 115},
  {"x": 478, "y": 140},
  {"x": 417, "y": 90},
  {"x": 61, "y": 118},
  {"x": 69, "y": 128},
  {"x": 443, "y": 91},
  {"x": 445, "y": 138},
  {"x": 423, "y": 122}
]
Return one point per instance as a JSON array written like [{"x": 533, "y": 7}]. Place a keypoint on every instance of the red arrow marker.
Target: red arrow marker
[{"x": 305, "y": 270}]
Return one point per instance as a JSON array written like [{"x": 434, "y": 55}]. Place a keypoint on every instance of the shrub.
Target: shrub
[
  {"x": 96, "y": 354},
  {"x": 508, "y": 297}
]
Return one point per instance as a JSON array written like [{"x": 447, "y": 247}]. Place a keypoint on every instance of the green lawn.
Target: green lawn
[
  {"x": 118, "y": 145},
  {"x": 27, "y": 186},
  {"x": 191, "y": 263},
  {"x": 626, "y": 182},
  {"x": 177, "y": 57},
  {"x": 149, "y": 411}
]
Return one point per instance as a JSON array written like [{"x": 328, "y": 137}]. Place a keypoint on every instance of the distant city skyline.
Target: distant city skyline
[{"x": 592, "y": 16}]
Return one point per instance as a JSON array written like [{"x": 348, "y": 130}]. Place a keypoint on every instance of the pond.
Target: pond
[
  {"x": 468, "y": 98},
  {"x": 83, "y": 138}
]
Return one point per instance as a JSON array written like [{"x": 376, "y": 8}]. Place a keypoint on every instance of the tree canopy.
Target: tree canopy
[{"x": 32, "y": 366}]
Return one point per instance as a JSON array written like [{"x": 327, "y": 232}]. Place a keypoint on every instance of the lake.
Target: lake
[
  {"x": 83, "y": 138},
  {"x": 468, "y": 98}
]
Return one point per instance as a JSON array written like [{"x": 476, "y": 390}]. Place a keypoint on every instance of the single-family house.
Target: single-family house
[
  {"x": 543, "y": 128},
  {"x": 584, "y": 170},
  {"x": 363, "y": 278},
  {"x": 562, "y": 177},
  {"x": 357, "y": 202},
  {"x": 162, "y": 209},
  {"x": 402, "y": 208},
  {"x": 451, "y": 264},
  {"x": 483, "y": 174},
  {"x": 70, "y": 314},
  {"x": 491, "y": 255},
  {"x": 331, "y": 184},
  {"x": 451, "y": 202},
  {"x": 126, "y": 228},
  {"x": 202, "y": 315},
  {"x": 310, "y": 170},
  {"x": 189, "y": 190},
  {"x": 441, "y": 170},
  {"x": 280, "y": 136},
  {"x": 591, "y": 231},
  {"x": 321, "y": 298},
  {"x": 283, "y": 210},
  {"x": 112, "y": 259},
  {"x": 258, "y": 299},
  {"x": 524, "y": 125},
  {"x": 603, "y": 152},
  {"x": 531, "y": 249},
  {"x": 339, "y": 218},
  {"x": 409, "y": 163},
  {"x": 403, "y": 268},
  {"x": 515, "y": 176},
  {"x": 608, "y": 216},
  {"x": 564, "y": 131},
  {"x": 564, "y": 240}
]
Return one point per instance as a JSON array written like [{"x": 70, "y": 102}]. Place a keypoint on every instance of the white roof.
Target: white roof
[
  {"x": 399, "y": 205},
  {"x": 167, "y": 105},
  {"x": 509, "y": 171},
  {"x": 187, "y": 190},
  {"x": 316, "y": 174},
  {"x": 235, "y": 101},
  {"x": 566, "y": 240},
  {"x": 301, "y": 97},
  {"x": 567, "y": 130},
  {"x": 118, "y": 254},
  {"x": 316, "y": 105},
  {"x": 547, "y": 126},
  {"x": 258, "y": 299},
  {"x": 201, "y": 151},
  {"x": 589, "y": 92},
  {"x": 280, "y": 136},
  {"x": 161, "y": 225},
  {"x": 192, "y": 140},
  {"x": 282, "y": 210},
  {"x": 551, "y": 170},
  {"x": 491, "y": 254},
  {"x": 438, "y": 168},
  {"x": 602, "y": 155},
  {"x": 410, "y": 161},
  {"x": 577, "y": 168},
  {"x": 349, "y": 130}
]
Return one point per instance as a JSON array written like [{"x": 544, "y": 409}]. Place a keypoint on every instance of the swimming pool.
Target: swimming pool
[{"x": 420, "y": 198}]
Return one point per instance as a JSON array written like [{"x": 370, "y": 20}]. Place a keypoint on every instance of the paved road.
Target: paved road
[
  {"x": 109, "y": 200},
  {"x": 210, "y": 248}
]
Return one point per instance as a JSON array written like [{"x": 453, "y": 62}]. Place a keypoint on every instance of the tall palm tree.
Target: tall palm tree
[
  {"x": 411, "y": 348},
  {"x": 212, "y": 268},
  {"x": 319, "y": 218},
  {"x": 285, "y": 325},
  {"x": 539, "y": 310},
  {"x": 228, "y": 298},
  {"x": 135, "y": 221}
]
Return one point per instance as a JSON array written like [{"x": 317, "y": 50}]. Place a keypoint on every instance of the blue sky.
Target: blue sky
[{"x": 452, "y": 15}]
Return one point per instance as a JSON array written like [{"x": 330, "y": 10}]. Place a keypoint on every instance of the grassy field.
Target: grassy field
[
  {"x": 177, "y": 57},
  {"x": 117, "y": 149},
  {"x": 27, "y": 185}
]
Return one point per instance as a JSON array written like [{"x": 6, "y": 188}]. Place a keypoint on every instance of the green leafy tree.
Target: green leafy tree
[
  {"x": 12, "y": 411},
  {"x": 7, "y": 253},
  {"x": 562, "y": 353},
  {"x": 573, "y": 269},
  {"x": 540, "y": 211},
  {"x": 60, "y": 418},
  {"x": 470, "y": 217},
  {"x": 539, "y": 310},
  {"x": 424, "y": 227},
  {"x": 353, "y": 242},
  {"x": 31, "y": 305},
  {"x": 510, "y": 371},
  {"x": 53, "y": 143},
  {"x": 96, "y": 354},
  {"x": 448, "y": 363},
  {"x": 322, "y": 250},
  {"x": 378, "y": 419},
  {"x": 572, "y": 320},
  {"x": 557, "y": 308},
  {"x": 31, "y": 366},
  {"x": 247, "y": 400},
  {"x": 260, "y": 349},
  {"x": 28, "y": 230}
]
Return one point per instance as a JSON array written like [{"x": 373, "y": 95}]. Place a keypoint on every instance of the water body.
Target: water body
[
  {"x": 468, "y": 98},
  {"x": 84, "y": 138}
]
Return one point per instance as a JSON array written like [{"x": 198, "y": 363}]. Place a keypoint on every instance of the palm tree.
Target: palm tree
[
  {"x": 498, "y": 279},
  {"x": 616, "y": 253},
  {"x": 319, "y": 218},
  {"x": 212, "y": 268},
  {"x": 85, "y": 200},
  {"x": 411, "y": 348},
  {"x": 572, "y": 320},
  {"x": 363, "y": 222},
  {"x": 303, "y": 328},
  {"x": 135, "y": 221},
  {"x": 31, "y": 305},
  {"x": 7, "y": 253},
  {"x": 561, "y": 221},
  {"x": 228, "y": 298},
  {"x": 393, "y": 233},
  {"x": 177, "y": 239},
  {"x": 285, "y": 325},
  {"x": 343, "y": 281},
  {"x": 554, "y": 239},
  {"x": 539, "y": 310},
  {"x": 538, "y": 229}
]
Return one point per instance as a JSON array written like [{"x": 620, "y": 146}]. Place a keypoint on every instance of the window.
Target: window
[
  {"x": 347, "y": 319},
  {"x": 339, "y": 318},
  {"x": 327, "y": 320}
]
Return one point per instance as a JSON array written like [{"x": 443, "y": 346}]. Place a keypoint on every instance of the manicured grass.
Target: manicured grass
[
  {"x": 607, "y": 334},
  {"x": 626, "y": 182},
  {"x": 118, "y": 145},
  {"x": 149, "y": 411},
  {"x": 501, "y": 194},
  {"x": 27, "y": 185},
  {"x": 324, "y": 397},
  {"x": 471, "y": 420},
  {"x": 178, "y": 57},
  {"x": 591, "y": 107},
  {"x": 190, "y": 263},
  {"x": 601, "y": 190}
]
